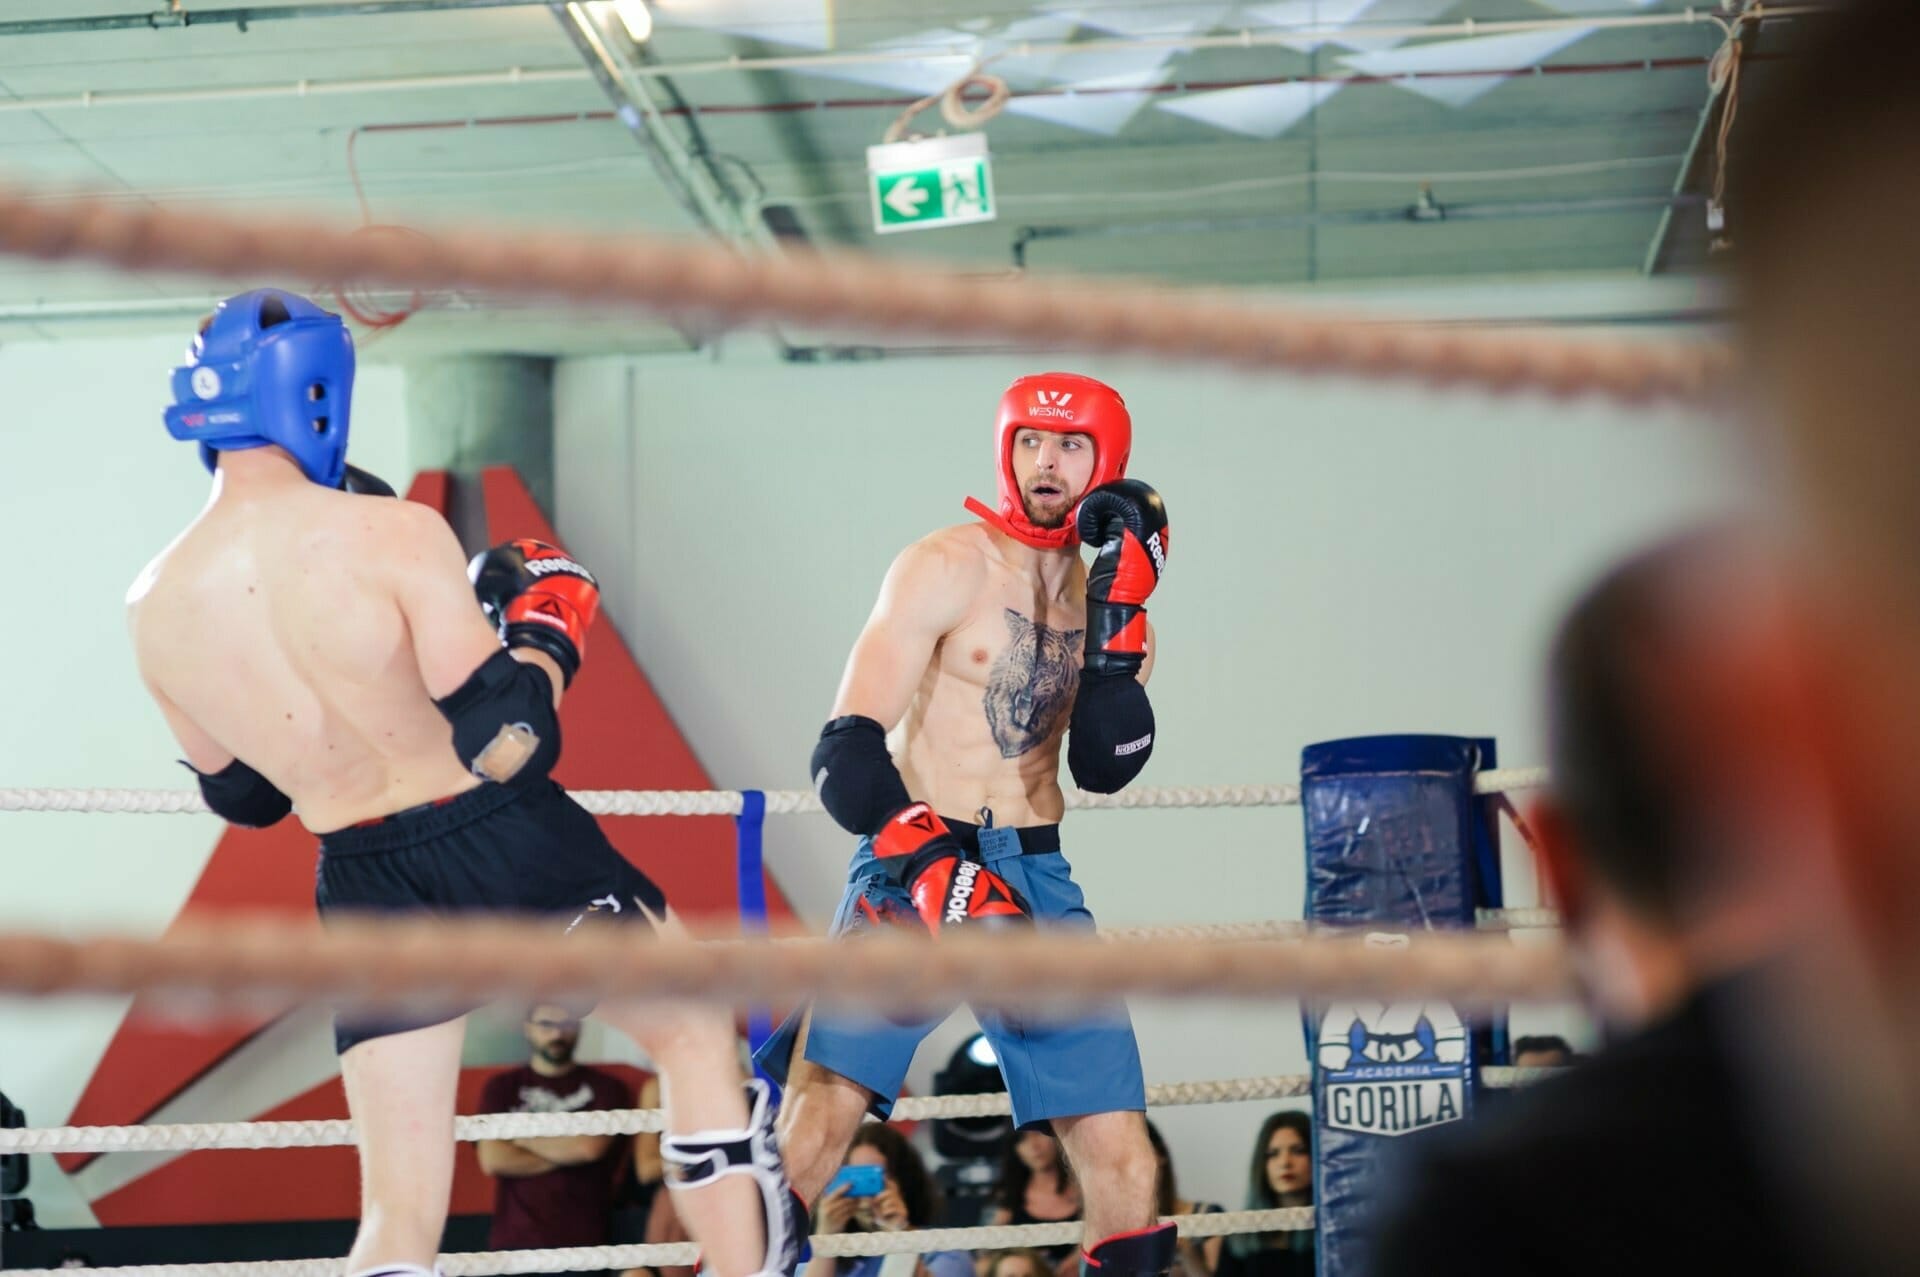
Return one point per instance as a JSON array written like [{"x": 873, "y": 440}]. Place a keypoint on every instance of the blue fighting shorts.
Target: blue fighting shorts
[{"x": 1053, "y": 1067}]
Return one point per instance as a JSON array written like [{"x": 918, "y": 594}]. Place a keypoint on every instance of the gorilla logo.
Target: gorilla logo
[{"x": 1356, "y": 1035}]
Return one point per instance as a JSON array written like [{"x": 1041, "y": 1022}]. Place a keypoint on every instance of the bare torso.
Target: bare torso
[
  {"x": 984, "y": 725},
  {"x": 272, "y": 631}
]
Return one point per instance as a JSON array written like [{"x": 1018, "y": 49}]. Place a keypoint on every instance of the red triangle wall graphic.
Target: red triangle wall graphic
[{"x": 618, "y": 736}]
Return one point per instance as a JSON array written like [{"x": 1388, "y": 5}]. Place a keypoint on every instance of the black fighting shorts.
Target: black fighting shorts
[{"x": 513, "y": 850}]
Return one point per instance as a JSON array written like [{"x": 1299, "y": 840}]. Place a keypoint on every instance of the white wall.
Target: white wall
[
  {"x": 91, "y": 488},
  {"x": 1347, "y": 559}
]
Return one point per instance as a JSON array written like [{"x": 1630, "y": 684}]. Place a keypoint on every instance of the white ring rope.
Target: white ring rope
[
  {"x": 685, "y": 1254},
  {"x": 513, "y": 1126},
  {"x": 727, "y": 802}
]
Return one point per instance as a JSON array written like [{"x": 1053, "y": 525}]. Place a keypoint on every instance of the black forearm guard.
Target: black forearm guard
[
  {"x": 504, "y": 724},
  {"x": 240, "y": 795},
  {"x": 1111, "y": 736},
  {"x": 855, "y": 776}
]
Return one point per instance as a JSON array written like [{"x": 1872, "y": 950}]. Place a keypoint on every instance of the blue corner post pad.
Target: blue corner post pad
[
  {"x": 749, "y": 849},
  {"x": 1391, "y": 840}
]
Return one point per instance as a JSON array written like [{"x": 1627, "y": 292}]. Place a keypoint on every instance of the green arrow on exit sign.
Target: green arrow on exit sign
[{"x": 945, "y": 181}]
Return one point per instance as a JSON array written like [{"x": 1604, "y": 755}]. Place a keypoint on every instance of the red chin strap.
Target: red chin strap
[{"x": 1064, "y": 537}]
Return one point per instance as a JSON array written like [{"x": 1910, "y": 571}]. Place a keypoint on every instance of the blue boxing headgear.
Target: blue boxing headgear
[{"x": 269, "y": 368}]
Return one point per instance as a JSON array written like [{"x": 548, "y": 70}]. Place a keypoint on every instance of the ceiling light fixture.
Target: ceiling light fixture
[{"x": 635, "y": 17}]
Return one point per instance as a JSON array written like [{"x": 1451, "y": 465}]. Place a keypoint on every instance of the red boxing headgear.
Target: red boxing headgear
[{"x": 1063, "y": 403}]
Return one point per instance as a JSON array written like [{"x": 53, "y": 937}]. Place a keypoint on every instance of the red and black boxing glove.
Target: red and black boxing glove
[
  {"x": 1126, "y": 523},
  {"x": 920, "y": 853},
  {"x": 537, "y": 596}
]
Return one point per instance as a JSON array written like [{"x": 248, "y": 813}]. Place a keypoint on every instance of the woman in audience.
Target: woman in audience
[
  {"x": 1036, "y": 1187},
  {"x": 1198, "y": 1255},
  {"x": 908, "y": 1199},
  {"x": 1017, "y": 1263},
  {"x": 1281, "y": 1175}
]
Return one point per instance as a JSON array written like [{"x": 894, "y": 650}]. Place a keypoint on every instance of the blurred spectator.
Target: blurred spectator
[
  {"x": 1647, "y": 1153},
  {"x": 1545, "y": 1051},
  {"x": 1281, "y": 1175},
  {"x": 1037, "y": 1187},
  {"x": 645, "y": 1212},
  {"x": 908, "y": 1199},
  {"x": 553, "y": 1190},
  {"x": 1016, "y": 1263},
  {"x": 1198, "y": 1255}
]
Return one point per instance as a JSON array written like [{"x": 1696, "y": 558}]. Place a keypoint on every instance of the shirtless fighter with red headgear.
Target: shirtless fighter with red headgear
[
  {"x": 989, "y": 641},
  {"x": 316, "y": 646}
]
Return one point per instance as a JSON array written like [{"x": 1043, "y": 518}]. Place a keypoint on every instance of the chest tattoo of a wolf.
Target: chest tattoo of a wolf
[{"x": 1031, "y": 684}]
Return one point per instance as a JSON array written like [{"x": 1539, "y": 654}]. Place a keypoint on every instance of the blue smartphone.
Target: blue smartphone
[{"x": 859, "y": 1181}]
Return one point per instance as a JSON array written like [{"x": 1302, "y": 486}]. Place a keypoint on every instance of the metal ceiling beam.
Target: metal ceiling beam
[
  {"x": 690, "y": 175},
  {"x": 178, "y": 15}
]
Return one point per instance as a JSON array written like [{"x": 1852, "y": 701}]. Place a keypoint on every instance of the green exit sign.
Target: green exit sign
[{"x": 942, "y": 181}]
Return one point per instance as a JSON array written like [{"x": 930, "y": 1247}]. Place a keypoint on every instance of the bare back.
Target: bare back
[
  {"x": 280, "y": 629},
  {"x": 972, "y": 658}
]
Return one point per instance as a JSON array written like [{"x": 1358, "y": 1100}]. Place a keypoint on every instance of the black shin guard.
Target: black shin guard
[{"x": 1145, "y": 1252}]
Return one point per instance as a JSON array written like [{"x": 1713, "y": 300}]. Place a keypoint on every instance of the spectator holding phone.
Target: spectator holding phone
[{"x": 883, "y": 1187}]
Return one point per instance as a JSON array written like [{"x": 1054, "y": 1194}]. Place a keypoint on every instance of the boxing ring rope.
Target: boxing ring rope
[
  {"x": 700, "y": 279},
  {"x": 686, "y": 1254},
  {"x": 729, "y": 802},
  {"x": 338, "y": 1132},
  {"x": 411, "y": 965}
]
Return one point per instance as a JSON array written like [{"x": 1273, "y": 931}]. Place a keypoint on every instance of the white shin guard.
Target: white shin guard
[{"x": 701, "y": 1158}]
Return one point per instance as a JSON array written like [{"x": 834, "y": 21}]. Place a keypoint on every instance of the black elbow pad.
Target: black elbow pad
[
  {"x": 240, "y": 795},
  {"x": 504, "y": 724},
  {"x": 1111, "y": 736},
  {"x": 855, "y": 776}
]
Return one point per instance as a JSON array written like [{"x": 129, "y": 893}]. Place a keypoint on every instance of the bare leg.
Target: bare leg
[
  {"x": 1117, "y": 1170},
  {"x": 818, "y": 1116},
  {"x": 701, "y": 1087},
  {"x": 696, "y": 1050},
  {"x": 400, "y": 1091}
]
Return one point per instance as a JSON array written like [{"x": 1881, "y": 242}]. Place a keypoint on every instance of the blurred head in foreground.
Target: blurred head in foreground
[
  {"x": 1642, "y": 834},
  {"x": 1823, "y": 193}
]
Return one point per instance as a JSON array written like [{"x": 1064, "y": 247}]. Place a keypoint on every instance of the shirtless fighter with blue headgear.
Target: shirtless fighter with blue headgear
[{"x": 318, "y": 650}]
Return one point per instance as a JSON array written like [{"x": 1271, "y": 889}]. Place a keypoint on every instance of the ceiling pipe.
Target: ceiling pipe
[
  {"x": 1247, "y": 38},
  {"x": 513, "y": 76},
  {"x": 178, "y": 15},
  {"x": 1422, "y": 213}
]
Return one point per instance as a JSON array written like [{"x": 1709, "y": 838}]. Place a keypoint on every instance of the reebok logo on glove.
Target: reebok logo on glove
[
  {"x": 1157, "y": 548},
  {"x": 962, "y": 893},
  {"x": 540, "y": 567}
]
